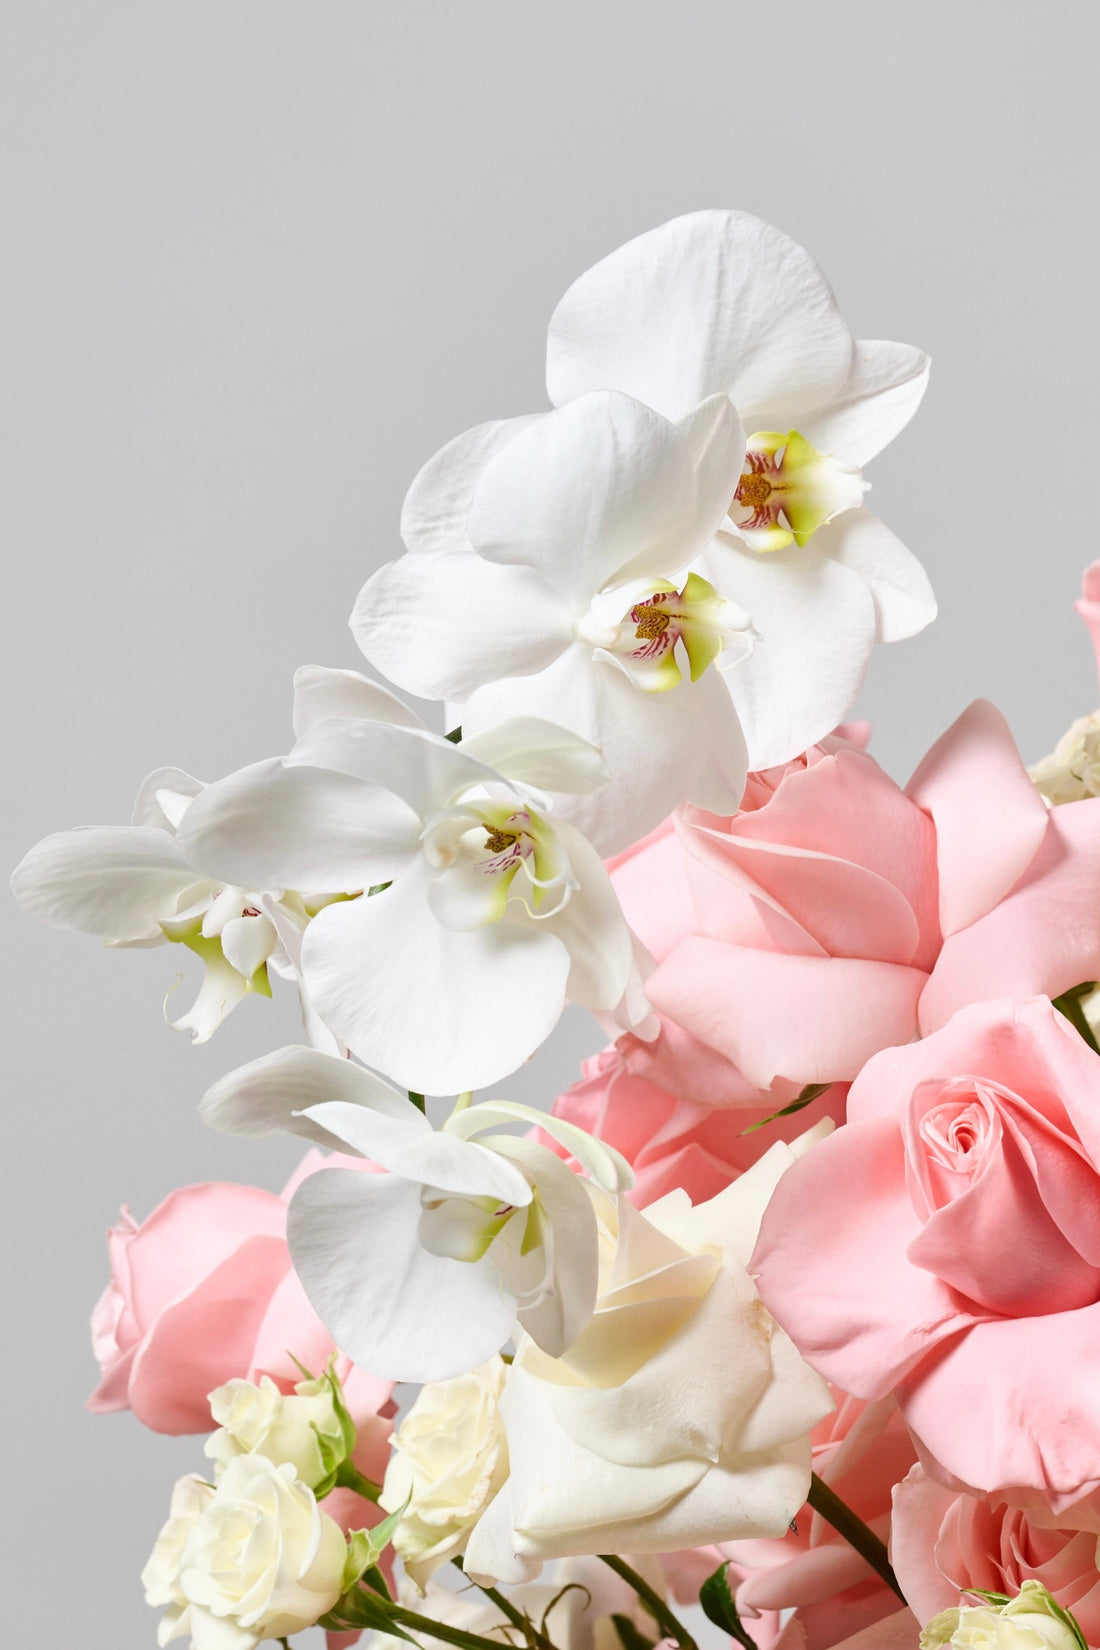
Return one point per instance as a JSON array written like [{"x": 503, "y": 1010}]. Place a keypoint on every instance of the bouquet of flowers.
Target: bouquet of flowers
[{"x": 785, "y": 1306}]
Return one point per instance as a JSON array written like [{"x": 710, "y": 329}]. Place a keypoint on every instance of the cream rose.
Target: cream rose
[
  {"x": 450, "y": 1455},
  {"x": 161, "y": 1575},
  {"x": 1030, "y": 1621},
  {"x": 303, "y": 1428},
  {"x": 253, "y": 1558},
  {"x": 679, "y": 1417}
]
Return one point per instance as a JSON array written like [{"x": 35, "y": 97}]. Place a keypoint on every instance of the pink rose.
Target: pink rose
[
  {"x": 672, "y": 1142},
  {"x": 202, "y": 1291},
  {"x": 835, "y": 887},
  {"x": 946, "y": 1543},
  {"x": 861, "y": 1450},
  {"x": 945, "y": 1245}
]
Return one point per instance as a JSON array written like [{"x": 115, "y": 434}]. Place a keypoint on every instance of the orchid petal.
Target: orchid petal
[
  {"x": 884, "y": 389},
  {"x": 711, "y": 302},
  {"x": 273, "y": 1095},
  {"x": 117, "y": 881},
  {"x": 899, "y": 586},
  {"x": 459, "y": 1167},
  {"x": 148, "y": 809},
  {"x": 607, "y": 1167},
  {"x": 321, "y": 693},
  {"x": 438, "y": 502},
  {"x": 442, "y": 622},
  {"x": 247, "y": 943},
  {"x": 530, "y": 751},
  {"x": 395, "y": 1308},
  {"x": 662, "y": 748},
  {"x": 425, "y": 770},
  {"x": 817, "y": 629},
  {"x": 592, "y": 927},
  {"x": 602, "y": 489},
  {"x": 279, "y": 824},
  {"x": 221, "y": 990},
  {"x": 557, "y": 1318},
  {"x": 438, "y": 1011}
]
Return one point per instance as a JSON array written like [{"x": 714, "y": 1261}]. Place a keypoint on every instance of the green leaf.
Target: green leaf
[
  {"x": 812, "y": 1092},
  {"x": 629, "y": 1636},
  {"x": 455, "y": 736},
  {"x": 718, "y": 1606}
]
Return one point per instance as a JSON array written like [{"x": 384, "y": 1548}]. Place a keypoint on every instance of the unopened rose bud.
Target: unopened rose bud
[
  {"x": 307, "y": 1428},
  {"x": 1033, "y": 1620}
]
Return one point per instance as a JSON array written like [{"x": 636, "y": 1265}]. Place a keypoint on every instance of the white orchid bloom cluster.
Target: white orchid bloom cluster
[{"x": 625, "y": 603}]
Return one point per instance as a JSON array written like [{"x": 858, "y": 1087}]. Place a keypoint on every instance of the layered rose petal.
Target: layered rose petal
[
  {"x": 1043, "y": 936},
  {"x": 799, "y": 1025}
]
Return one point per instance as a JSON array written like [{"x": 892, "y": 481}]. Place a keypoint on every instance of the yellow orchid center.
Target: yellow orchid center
[
  {"x": 788, "y": 490},
  {"x": 668, "y": 627}
]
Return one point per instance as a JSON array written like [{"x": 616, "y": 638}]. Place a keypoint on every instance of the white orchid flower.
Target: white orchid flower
[
  {"x": 420, "y": 1273},
  {"x": 131, "y": 885},
  {"x": 720, "y": 303},
  {"x": 551, "y": 572},
  {"x": 483, "y": 913}
]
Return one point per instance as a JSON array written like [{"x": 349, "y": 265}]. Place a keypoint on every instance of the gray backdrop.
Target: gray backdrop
[{"x": 264, "y": 257}]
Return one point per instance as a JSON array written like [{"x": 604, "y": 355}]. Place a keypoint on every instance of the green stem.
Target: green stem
[
  {"x": 670, "y": 1625},
  {"x": 1069, "y": 1004},
  {"x": 440, "y": 1629},
  {"x": 348, "y": 1477},
  {"x": 509, "y": 1611},
  {"x": 867, "y": 1544}
]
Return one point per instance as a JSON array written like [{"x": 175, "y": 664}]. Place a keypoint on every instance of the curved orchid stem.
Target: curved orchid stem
[
  {"x": 509, "y": 1611},
  {"x": 440, "y": 1629},
  {"x": 671, "y": 1626},
  {"x": 844, "y": 1521}
]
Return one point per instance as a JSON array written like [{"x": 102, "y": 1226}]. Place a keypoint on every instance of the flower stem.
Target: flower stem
[
  {"x": 509, "y": 1611},
  {"x": 440, "y": 1629},
  {"x": 670, "y": 1625},
  {"x": 845, "y": 1522},
  {"x": 348, "y": 1477}
]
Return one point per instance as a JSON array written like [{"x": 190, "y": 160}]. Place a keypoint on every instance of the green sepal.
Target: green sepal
[
  {"x": 718, "y": 1606},
  {"x": 356, "y": 1608},
  {"x": 991, "y": 1598},
  {"x": 812, "y": 1092},
  {"x": 455, "y": 736},
  {"x": 629, "y": 1636},
  {"x": 365, "y": 1547},
  {"x": 1066, "y": 1617}
]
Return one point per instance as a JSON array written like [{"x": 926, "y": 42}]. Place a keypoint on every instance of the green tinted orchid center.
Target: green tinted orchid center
[
  {"x": 489, "y": 855},
  {"x": 788, "y": 490},
  {"x": 670, "y": 632}
]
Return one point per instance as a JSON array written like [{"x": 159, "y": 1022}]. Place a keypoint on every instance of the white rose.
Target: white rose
[
  {"x": 450, "y": 1453},
  {"x": 1072, "y": 771},
  {"x": 1030, "y": 1621},
  {"x": 302, "y": 1428},
  {"x": 260, "y": 1561},
  {"x": 679, "y": 1417},
  {"x": 161, "y": 1575}
]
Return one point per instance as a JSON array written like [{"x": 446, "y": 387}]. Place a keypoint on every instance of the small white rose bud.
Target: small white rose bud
[
  {"x": 1031, "y": 1621},
  {"x": 451, "y": 1456},
  {"x": 305, "y": 1428}
]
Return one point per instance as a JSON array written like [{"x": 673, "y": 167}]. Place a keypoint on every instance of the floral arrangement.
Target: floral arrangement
[{"x": 791, "y": 1304}]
